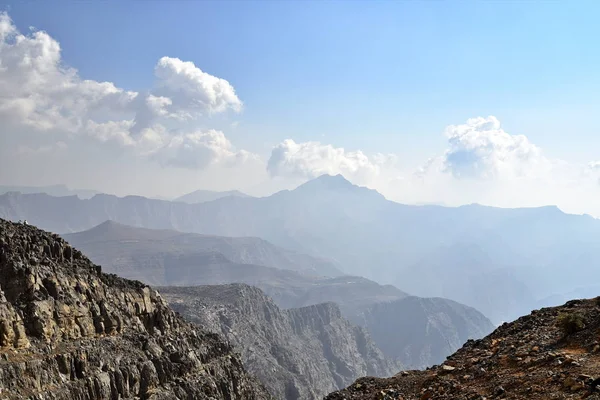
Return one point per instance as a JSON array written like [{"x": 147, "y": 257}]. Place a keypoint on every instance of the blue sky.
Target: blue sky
[
  {"x": 380, "y": 77},
  {"x": 366, "y": 75}
]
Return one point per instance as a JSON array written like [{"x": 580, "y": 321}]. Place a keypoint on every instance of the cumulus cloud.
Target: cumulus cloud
[
  {"x": 198, "y": 150},
  {"x": 480, "y": 148},
  {"x": 485, "y": 164},
  {"x": 39, "y": 93},
  {"x": 312, "y": 159},
  {"x": 192, "y": 89}
]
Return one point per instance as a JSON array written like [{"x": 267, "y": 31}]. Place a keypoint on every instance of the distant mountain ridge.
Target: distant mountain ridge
[
  {"x": 422, "y": 331},
  {"x": 150, "y": 242},
  {"x": 370, "y": 236},
  {"x": 53, "y": 190},
  {"x": 158, "y": 258},
  {"x": 166, "y": 257},
  {"x": 202, "y": 196}
]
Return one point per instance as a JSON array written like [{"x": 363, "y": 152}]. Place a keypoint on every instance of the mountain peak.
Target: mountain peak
[
  {"x": 334, "y": 179},
  {"x": 336, "y": 184},
  {"x": 328, "y": 182}
]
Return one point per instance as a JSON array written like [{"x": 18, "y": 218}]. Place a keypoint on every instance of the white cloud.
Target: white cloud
[
  {"x": 312, "y": 159},
  {"x": 485, "y": 164},
  {"x": 198, "y": 150},
  {"x": 39, "y": 93},
  {"x": 482, "y": 149},
  {"x": 192, "y": 89}
]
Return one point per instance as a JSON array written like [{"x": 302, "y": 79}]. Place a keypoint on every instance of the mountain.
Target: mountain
[
  {"x": 202, "y": 196},
  {"x": 170, "y": 258},
  {"x": 301, "y": 353},
  {"x": 422, "y": 331},
  {"x": 122, "y": 246},
  {"x": 54, "y": 190},
  {"x": 69, "y": 331},
  {"x": 370, "y": 236},
  {"x": 552, "y": 353}
]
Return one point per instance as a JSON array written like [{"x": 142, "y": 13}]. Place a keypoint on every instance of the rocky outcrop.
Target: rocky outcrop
[
  {"x": 68, "y": 331},
  {"x": 553, "y": 353},
  {"x": 300, "y": 353}
]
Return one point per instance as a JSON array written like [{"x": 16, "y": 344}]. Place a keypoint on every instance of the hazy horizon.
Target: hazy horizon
[{"x": 388, "y": 95}]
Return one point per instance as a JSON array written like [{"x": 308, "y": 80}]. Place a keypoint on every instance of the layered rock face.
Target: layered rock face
[
  {"x": 68, "y": 331},
  {"x": 301, "y": 353}
]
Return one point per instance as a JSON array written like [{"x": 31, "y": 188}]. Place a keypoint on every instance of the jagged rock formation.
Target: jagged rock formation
[
  {"x": 68, "y": 331},
  {"x": 553, "y": 353},
  {"x": 420, "y": 332},
  {"x": 300, "y": 353}
]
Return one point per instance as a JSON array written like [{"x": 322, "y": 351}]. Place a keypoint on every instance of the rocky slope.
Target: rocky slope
[
  {"x": 300, "y": 353},
  {"x": 553, "y": 353},
  {"x": 69, "y": 331}
]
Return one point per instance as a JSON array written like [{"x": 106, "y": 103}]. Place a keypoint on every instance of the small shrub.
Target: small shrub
[
  {"x": 570, "y": 323},
  {"x": 597, "y": 301}
]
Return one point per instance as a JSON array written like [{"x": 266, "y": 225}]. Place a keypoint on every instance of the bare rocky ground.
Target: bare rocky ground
[
  {"x": 530, "y": 358},
  {"x": 68, "y": 331}
]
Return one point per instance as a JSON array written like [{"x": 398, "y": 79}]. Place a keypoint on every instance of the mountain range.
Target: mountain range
[
  {"x": 501, "y": 261},
  {"x": 202, "y": 196},
  {"x": 53, "y": 190},
  {"x": 162, "y": 257},
  {"x": 123, "y": 247}
]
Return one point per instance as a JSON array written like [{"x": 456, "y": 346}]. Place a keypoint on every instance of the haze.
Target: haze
[{"x": 453, "y": 103}]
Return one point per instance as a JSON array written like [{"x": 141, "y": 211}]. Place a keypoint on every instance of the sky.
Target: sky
[{"x": 427, "y": 102}]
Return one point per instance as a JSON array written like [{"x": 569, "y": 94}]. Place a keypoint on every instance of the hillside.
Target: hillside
[
  {"x": 428, "y": 329},
  {"x": 300, "y": 353},
  {"x": 522, "y": 250},
  {"x": 123, "y": 247},
  {"x": 202, "y": 196},
  {"x": 530, "y": 358},
  {"x": 422, "y": 331},
  {"x": 69, "y": 331},
  {"x": 170, "y": 258}
]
